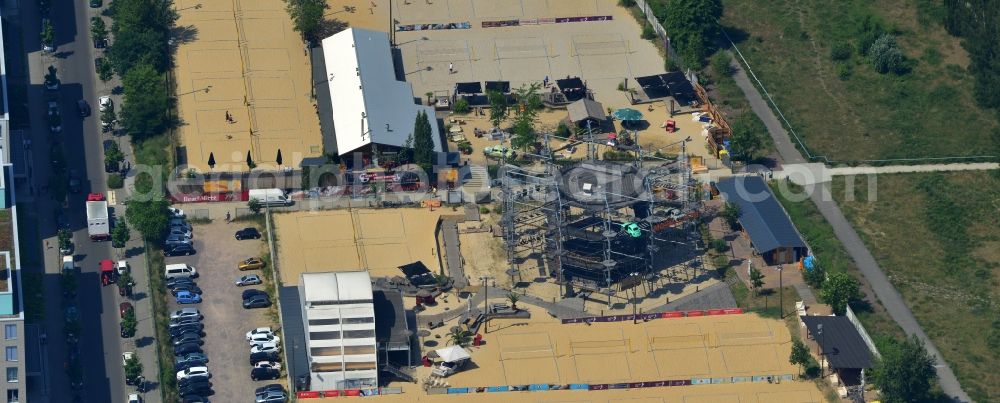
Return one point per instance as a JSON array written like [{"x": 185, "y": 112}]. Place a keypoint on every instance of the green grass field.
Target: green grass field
[
  {"x": 844, "y": 109},
  {"x": 937, "y": 236}
]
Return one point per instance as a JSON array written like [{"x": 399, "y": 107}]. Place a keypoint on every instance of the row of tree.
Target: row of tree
[{"x": 141, "y": 55}]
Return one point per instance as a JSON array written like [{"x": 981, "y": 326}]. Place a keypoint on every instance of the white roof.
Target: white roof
[
  {"x": 369, "y": 105},
  {"x": 337, "y": 286},
  {"x": 452, "y": 354}
]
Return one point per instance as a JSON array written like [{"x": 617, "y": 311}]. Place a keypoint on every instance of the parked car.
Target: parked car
[
  {"x": 259, "y": 356},
  {"x": 187, "y": 348},
  {"x": 253, "y": 263},
  {"x": 105, "y": 103},
  {"x": 125, "y": 332},
  {"x": 124, "y": 308},
  {"x": 176, "y": 212},
  {"x": 179, "y": 222},
  {"x": 264, "y": 338},
  {"x": 275, "y": 395},
  {"x": 185, "y": 321},
  {"x": 187, "y": 297},
  {"x": 193, "y": 372},
  {"x": 75, "y": 184},
  {"x": 264, "y": 373},
  {"x": 188, "y": 338},
  {"x": 186, "y": 313},
  {"x": 259, "y": 331},
  {"x": 180, "y": 231},
  {"x": 171, "y": 282},
  {"x": 83, "y": 108},
  {"x": 196, "y": 328},
  {"x": 126, "y": 356},
  {"x": 186, "y": 365},
  {"x": 196, "y": 386},
  {"x": 251, "y": 279},
  {"x": 265, "y": 347},
  {"x": 248, "y": 233},
  {"x": 273, "y": 387},
  {"x": 251, "y": 292},
  {"x": 96, "y": 3},
  {"x": 189, "y": 287},
  {"x": 177, "y": 240},
  {"x": 267, "y": 364},
  {"x": 196, "y": 398},
  {"x": 257, "y": 301},
  {"x": 134, "y": 398},
  {"x": 193, "y": 357},
  {"x": 179, "y": 250}
]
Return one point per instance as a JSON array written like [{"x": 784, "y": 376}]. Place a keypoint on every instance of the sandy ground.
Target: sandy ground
[
  {"x": 244, "y": 58},
  {"x": 322, "y": 241},
  {"x": 541, "y": 350}
]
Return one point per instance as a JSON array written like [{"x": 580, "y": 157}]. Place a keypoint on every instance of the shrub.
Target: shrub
[
  {"x": 115, "y": 181},
  {"x": 563, "y": 131},
  {"x": 461, "y": 106},
  {"x": 886, "y": 57},
  {"x": 671, "y": 65},
  {"x": 626, "y": 3},
  {"x": 720, "y": 65},
  {"x": 844, "y": 71},
  {"x": 484, "y": 210},
  {"x": 719, "y": 245},
  {"x": 647, "y": 32},
  {"x": 840, "y": 51}
]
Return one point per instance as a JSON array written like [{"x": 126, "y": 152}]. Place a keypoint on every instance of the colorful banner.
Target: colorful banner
[
  {"x": 433, "y": 27},
  {"x": 651, "y": 316}
]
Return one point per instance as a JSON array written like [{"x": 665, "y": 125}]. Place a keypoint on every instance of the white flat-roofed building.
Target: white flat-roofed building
[
  {"x": 339, "y": 318},
  {"x": 369, "y": 105}
]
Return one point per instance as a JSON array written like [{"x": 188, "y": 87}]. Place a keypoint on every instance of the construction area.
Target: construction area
[{"x": 243, "y": 86}]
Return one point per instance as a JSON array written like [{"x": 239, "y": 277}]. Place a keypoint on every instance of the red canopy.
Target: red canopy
[{"x": 107, "y": 265}]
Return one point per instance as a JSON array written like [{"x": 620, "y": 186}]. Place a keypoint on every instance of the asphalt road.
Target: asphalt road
[
  {"x": 100, "y": 344},
  {"x": 884, "y": 290}
]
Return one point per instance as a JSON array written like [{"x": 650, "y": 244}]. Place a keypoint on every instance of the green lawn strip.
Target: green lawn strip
[
  {"x": 937, "y": 237},
  {"x": 844, "y": 109},
  {"x": 161, "y": 319},
  {"x": 833, "y": 257}
]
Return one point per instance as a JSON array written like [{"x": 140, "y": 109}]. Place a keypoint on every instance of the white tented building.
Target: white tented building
[
  {"x": 369, "y": 105},
  {"x": 339, "y": 318}
]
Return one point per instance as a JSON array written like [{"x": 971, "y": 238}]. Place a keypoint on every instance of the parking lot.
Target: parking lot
[{"x": 226, "y": 322}]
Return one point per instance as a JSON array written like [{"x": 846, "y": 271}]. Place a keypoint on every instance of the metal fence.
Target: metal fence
[
  {"x": 661, "y": 32},
  {"x": 861, "y": 330}
]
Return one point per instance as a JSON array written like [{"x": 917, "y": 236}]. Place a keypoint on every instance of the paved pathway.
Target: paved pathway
[
  {"x": 884, "y": 290},
  {"x": 895, "y": 169}
]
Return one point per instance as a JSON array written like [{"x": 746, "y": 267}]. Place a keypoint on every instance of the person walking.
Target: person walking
[{"x": 451, "y": 68}]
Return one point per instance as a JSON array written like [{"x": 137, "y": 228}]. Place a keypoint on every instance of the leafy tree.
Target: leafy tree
[
  {"x": 720, "y": 65},
  {"x": 133, "y": 368},
  {"x": 748, "y": 138},
  {"x": 142, "y": 32},
  {"x": 800, "y": 354},
  {"x": 104, "y": 70},
  {"x": 120, "y": 234},
  {"x": 838, "y": 290},
  {"x": 886, "y": 57},
  {"x": 840, "y": 51},
  {"x": 513, "y": 298},
  {"x": 254, "y": 205},
  {"x": 756, "y": 280},
  {"x": 149, "y": 217},
  {"x": 125, "y": 279},
  {"x": 50, "y": 77},
  {"x": 692, "y": 25},
  {"x": 48, "y": 34},
  {"x": 461, "y": 106},
  {"x": 146, "y": 102},
  {"x": 108, "y": 117},
  {"x": 815, "y": 277},
  {"x": 459, "y": 337},
  {"x": 731, "y": 213},
  {"x": 113, "y": 155},
  {"x": 65, "y": 238},
  {"x": 307, "y": 16},
  {"x": 905, "y": 372},
  {"x": 423, "y": 143},
  {"x": 526, "y": 110},
  {"x": 498, "y": 107},
  {"x": 129, "y": 324},
  {"x": 98, "y": 30},
  {"x": 115, "y": 181},
  {"x": 524, "y": 135}
]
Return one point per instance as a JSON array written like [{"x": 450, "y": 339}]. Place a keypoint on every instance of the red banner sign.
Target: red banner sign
[
  {"x": 695, "y": 313},
  {"x": 352, "y": 392},
  {"x": 672, "y": 314},
  {"x": 307, "y": 394},
  {"x": 331, "y": 393},
  {"x": 733, "y": 311}
]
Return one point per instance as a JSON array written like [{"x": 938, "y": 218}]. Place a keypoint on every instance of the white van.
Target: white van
[
  {"x": 68, "y": 264},
  {"x": 270, "y": 197},
  {"x": 179, "y": 270}
]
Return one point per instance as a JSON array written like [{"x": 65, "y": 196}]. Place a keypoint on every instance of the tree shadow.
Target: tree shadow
[
  {"x": 117, "y": 90},
  {"x": 134, "y": 251},
  {"x": 144, "y": 341},
  {"x": 138, "y": 296},
  {"x": 329, "y": 27},
  {"x": 737, "y": 35},
  {"x": 861, "y": 305},
  {"x": 63, "y": 55},
  {"x": 185, "y": 34}
]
